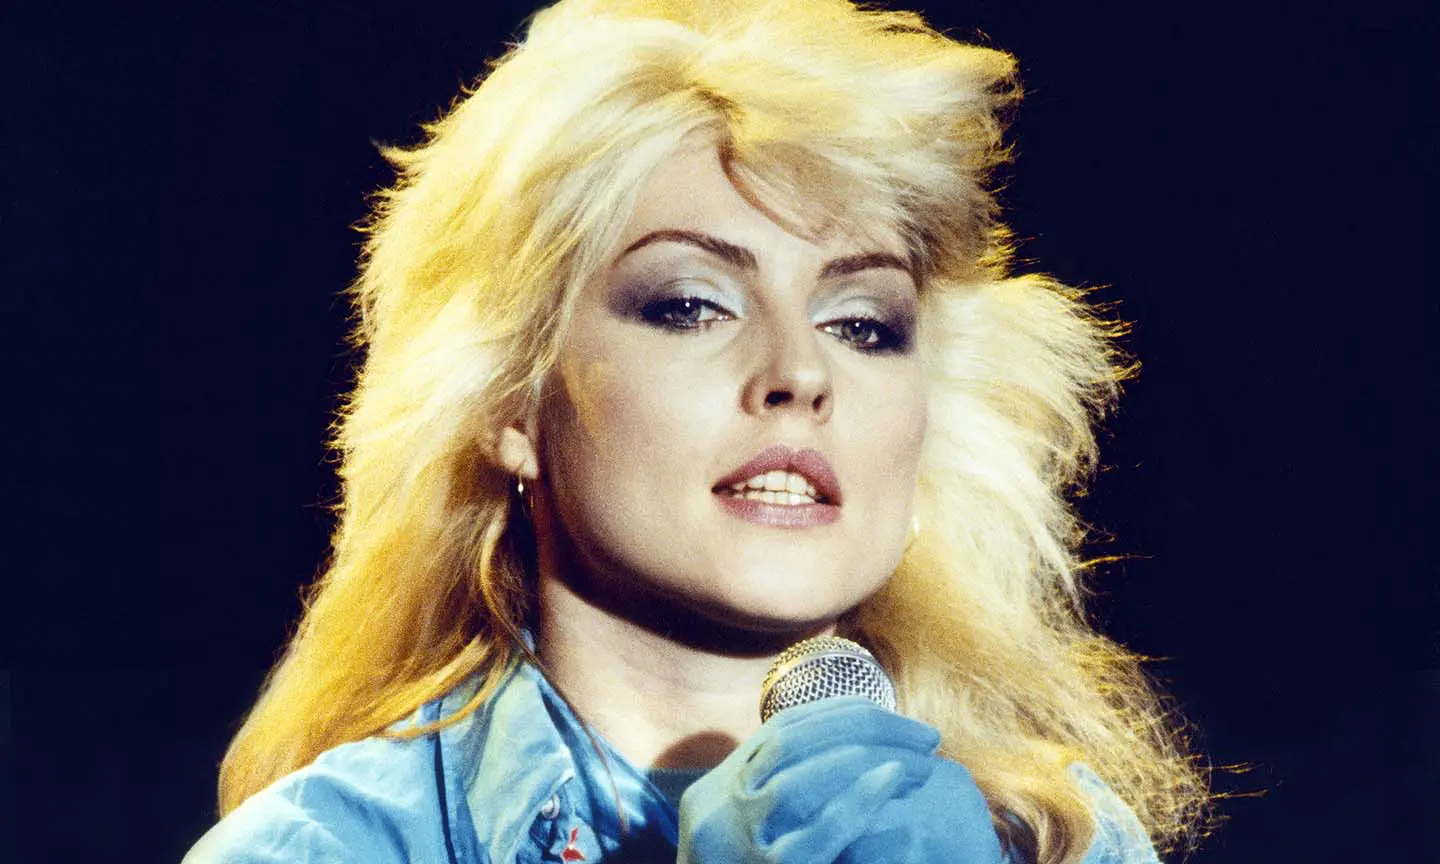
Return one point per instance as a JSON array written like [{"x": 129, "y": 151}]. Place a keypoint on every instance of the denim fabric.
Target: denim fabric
[
  {"x": 1119, "y": 836},
  {"x": 520, "y": 780}
]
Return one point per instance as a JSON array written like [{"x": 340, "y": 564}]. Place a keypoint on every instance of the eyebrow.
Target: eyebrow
[
  {"x": 744, "y": 259},
  {"x": 867, "y": 261}
]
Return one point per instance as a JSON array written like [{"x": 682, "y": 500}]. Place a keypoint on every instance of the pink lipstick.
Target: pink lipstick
[{"x": 782, "y": 487}]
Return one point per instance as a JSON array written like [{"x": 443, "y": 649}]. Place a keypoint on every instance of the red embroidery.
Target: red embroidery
[{"x": 570, "y": 853}]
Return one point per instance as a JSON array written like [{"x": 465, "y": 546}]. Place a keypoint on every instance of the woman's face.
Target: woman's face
[{"x": 737, "y": 414}]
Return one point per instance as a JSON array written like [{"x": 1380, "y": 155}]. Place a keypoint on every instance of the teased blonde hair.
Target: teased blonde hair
[{"x": 824, "y": 113}]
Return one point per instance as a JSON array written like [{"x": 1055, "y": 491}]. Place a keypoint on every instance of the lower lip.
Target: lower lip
[{"x": 780, "y": 515}]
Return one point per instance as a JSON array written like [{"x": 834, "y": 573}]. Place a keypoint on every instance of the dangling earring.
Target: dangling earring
[
  {"x": 914, "y": 531},
  {"x": 523, "y": 494}
]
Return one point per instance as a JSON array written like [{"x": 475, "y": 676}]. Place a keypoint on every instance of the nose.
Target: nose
[{"x": 792, "y": 375}]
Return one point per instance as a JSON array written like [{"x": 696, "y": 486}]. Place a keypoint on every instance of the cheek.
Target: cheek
[
  {"x": 919, "y": 413},
  {"x": 622, "y": 421},
  {"x": 594, "y": 405},
  {"x": 897, "y": 429},
  {"x": 590, "y": 418},
  {"x": 896, "y": 419}
]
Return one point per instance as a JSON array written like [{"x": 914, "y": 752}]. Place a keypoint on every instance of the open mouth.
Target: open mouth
[
  {"x": 787, "y": 488},
  {"x": 782, "y": 487}
]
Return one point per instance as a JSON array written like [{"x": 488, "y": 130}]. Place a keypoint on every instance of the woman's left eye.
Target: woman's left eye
[
  {"x": 866, "y": 334},
  {"x": 683, "y": 313}
]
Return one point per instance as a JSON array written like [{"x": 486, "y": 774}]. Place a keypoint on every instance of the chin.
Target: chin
[{"x": 805, "y": 610}]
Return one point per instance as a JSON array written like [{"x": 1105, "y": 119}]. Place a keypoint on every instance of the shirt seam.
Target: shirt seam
[{"x": 444, "y": 800}]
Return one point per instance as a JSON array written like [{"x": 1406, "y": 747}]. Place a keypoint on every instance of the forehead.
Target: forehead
[{"x": 691, "y": 190}]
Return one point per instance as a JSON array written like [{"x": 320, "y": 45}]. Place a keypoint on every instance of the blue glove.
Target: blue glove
[
  {"x": 945, "y": 819},
  {"x": 835, "y": 780}
]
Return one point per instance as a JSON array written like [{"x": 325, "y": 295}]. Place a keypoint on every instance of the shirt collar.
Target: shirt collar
[{"x": 526, "y": 772}]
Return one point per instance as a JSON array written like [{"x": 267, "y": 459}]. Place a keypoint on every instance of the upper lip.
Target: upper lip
[{"x": 804, "y": 461}]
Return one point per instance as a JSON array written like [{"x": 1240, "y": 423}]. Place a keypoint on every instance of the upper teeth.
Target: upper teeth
[{"x": 778, "y": 487}]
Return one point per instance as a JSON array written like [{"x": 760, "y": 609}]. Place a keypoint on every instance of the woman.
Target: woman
[{"x": 688, "y": 335}]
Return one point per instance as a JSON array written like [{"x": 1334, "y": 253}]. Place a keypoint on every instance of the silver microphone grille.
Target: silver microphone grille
[{"x": 819, "y": 668}]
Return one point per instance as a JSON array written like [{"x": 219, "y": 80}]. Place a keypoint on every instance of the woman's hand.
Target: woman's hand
[
  {"x": 837, "y": 780},
  {"x": 945, "y": 819}
]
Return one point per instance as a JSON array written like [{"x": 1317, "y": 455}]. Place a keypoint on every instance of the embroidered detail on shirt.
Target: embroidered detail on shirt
[{"x": 570, "y": 853}]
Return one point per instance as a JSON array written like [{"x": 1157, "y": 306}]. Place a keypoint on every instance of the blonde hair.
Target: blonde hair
[{"x": 824, "y": 113}]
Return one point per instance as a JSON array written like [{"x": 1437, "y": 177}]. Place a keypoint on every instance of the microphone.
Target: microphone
[{"x": 821, "y": 667}]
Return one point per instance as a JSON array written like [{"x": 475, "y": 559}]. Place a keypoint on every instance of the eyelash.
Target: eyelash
[
  {"x": 881, "y": 338},
  {"x": 691, "y": 314},
  {"x": 663, "y": 313}
]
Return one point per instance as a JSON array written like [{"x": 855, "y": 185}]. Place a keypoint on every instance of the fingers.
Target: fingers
[
  {"x": 812, "y": 783},
  {"x": 887, "y": 840},
  {"x": 802, "y": 791},
  {"x": 842, "y": 819},
  {"x": 946, "y": 818},
  {"x": 834, "y": 768},
  {"x": 799, "y": 734}
]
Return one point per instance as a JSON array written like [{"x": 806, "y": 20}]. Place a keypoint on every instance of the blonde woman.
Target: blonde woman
[{"x": 689, "y": 334}]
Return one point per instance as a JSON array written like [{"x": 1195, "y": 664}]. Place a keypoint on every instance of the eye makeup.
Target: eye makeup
[
  {"x": 874, "y": 316},
  {"x": 677, "y": 287},
  {"x": 655, "y": 281},
  {"x": 634, "y": 294}
]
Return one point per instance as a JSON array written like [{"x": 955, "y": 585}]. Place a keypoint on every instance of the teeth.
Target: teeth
[
  {"x": 777, "y": 487},
  {"x": 768, "y": 497}
]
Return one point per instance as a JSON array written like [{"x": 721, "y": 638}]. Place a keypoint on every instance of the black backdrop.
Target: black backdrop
[{"x": 1253, "y": 182}]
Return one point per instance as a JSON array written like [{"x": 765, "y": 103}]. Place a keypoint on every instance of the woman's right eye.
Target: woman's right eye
[{"x": 683, "y": 313}]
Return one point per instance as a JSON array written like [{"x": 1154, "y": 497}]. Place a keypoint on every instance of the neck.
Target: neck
[
  {"x": 661, "y": 700},
  {"x": 664, "y": 685}
]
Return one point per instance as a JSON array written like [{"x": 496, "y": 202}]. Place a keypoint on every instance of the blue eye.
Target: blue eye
[
  {"x": 867, "y": 334},
  {"x": 683, "y": 313}
]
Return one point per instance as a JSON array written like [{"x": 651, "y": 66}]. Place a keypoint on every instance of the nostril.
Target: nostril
[{"x": 777, "y": 397}]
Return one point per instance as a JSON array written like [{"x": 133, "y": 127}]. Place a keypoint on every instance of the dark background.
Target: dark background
[{"x": 1253, "y": 183}]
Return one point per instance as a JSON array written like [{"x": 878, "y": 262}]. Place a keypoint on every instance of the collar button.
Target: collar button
[{"x": 551, "y": 808}]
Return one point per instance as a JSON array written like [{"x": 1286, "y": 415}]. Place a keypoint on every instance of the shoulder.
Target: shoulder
[
  {"x": 372, "y": 800},
  {"x": 1119, "y": 837},
  {"x": 466, "y": 792}
]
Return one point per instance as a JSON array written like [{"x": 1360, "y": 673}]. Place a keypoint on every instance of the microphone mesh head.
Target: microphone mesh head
[{"x": 819, "y": 668}]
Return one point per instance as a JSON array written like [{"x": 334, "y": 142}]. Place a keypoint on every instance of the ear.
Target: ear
[{"x": 515, "y": 452}]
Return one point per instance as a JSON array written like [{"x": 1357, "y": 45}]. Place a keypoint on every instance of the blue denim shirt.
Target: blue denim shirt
[{"x": 519, "y": 780}]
